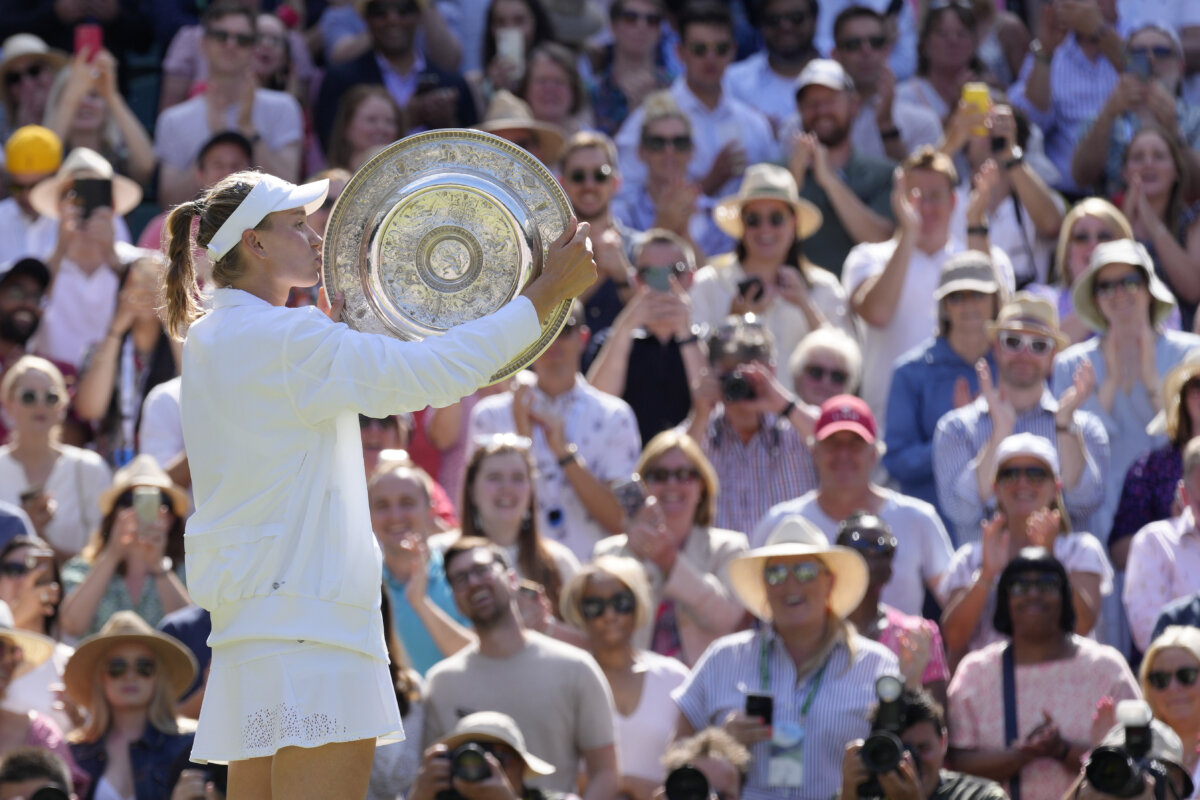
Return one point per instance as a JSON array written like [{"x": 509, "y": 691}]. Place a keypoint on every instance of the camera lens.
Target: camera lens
[
  {"x": 882, "y": 752},
  {"x": 1111, "y": 771},
  {"x": 735, "y": 386},
  {"x": 468, "y": 763},
  {"x": 686, "y": 783}
]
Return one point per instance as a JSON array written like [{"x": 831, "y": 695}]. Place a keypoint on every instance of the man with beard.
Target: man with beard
[
  {"x": 30, "y": 154},
  {"x": 1025, "y": 338},
  {"x": 431, "y": 97},
  {"x": 851, "y": 190},
  {"x": 22, "y": 286},
  {"x": 766, "y": 80},
  {"x": 555, "y": 692}
]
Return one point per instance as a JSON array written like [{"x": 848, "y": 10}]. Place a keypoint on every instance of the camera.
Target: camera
[
  {"x": 736, "y": 386},
  {"x": 686, "y": 783},
  {"x": 1121, "y": 771},
  {"x": 883, "y": 751},
  {"x": 468, "y": 762}
]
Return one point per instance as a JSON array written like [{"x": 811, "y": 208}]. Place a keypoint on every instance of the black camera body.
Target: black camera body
[
  {"x": 736, "y": 386},
  {"x": 883, "y": 751},
  {"x": 468, "y": 762},
  {"x": 1120, "y": 771},
  {"x": 686, "y": 783}
]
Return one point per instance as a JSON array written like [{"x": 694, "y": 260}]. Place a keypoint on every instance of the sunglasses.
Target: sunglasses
[
  {"x": 662, "y": 475},
  {"x": 796, "y": 18},
  {"x": 1160, "y": 52},
  {"x": 1084, "y": 237},
  {"x": 599, "y": 175},
  {"x": 1042, "y": 584},
  {"x": 855, "y": 43},
  {"x": 634, "y": 17},
  {"x": 622, "y": 603},
  {"x": 459, "y": 580},
  {"x": 1130, "y": 283},
  {"x": 225, "y": 37},
  {"x": 34, "y": 70},
  {"x": 1016, "y": 342},
  {"x": 702, "y": 49},
  {"x": 816, "y": 372},
  {"x": 804, "y": 572},
  {"x": 754, "y": 219},
  {"x": 379, "y": 10},
  {"x": 657, "y": 144},
  {"x": 1031, "y": 474},
  {"x": 117, "y": 667},
  {"x": 1160, "y": 679},
  {"x": 29, "y": 397}
]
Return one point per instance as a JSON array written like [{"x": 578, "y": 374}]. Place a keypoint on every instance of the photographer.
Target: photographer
[
  {"x": 452, "y": 769},
  {"x": 919, "y": 776},
  {"x": 719, "y": 758},
  {"x": 1164, "y": 754}
]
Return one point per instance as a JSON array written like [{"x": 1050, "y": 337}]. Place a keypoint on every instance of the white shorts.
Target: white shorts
[{"x": 265, "y": 695}]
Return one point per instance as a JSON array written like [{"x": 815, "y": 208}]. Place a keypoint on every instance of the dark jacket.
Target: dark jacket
[{"x": 152, "y": 757}]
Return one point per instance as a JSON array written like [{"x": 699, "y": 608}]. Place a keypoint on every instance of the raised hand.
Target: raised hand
[
  {"x": 994, "y": 546},
  {"x": 904, "y": 204},
  {"x": 1042, "y": 527},
  {"x": 915, "y": 652},
  {"x": 962, "y": 392},
  {"x": 1083, "y": 382},
  {"x": 1004, "y": 416}
]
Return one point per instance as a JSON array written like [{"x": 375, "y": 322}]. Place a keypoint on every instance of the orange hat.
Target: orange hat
[{"x": 33, "y": 150}]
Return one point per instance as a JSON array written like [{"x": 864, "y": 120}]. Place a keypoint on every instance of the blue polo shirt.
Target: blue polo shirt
[{"x": 422, "y": 650}]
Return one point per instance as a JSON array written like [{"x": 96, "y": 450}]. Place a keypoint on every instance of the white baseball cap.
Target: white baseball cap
[{"x": 269, "y": 195}]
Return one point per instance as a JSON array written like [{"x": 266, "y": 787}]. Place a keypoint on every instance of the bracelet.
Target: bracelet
[
  {"x": 788, "y": 409},
  {"x": 695, "y": 337},
  {"x": 977, "y": 230},
  {"x": 890, "y": 133},
  {"x": 572, "y": 455},
  {"x": 166, "y": 565}
]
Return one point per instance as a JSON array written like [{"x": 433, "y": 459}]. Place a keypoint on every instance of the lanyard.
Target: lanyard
[{"x": 764, "y": 677}]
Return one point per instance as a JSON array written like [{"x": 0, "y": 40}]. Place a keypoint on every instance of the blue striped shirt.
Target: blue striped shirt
[{"x": 840, "y": 712}]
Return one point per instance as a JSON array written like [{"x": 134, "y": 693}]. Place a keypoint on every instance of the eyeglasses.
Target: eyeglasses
[
  {"x": 796, "y": 18},
  {"x": 634, "y": 17},
  {"x": 143, "y": 666},
  {"x": 1031, "y": 474},
  {"x": 702, "y": 49},
  {"x": 225, "y": 37},
  {"x": 816, "y": 372},
  {"x": 34, "y": 70},
  {"x": 657, "y": 144},
  {"x": 14, "y": 569},
  {"x": 622, "y": 603},
  {"x": 29, "y": 397},
  {"x": 804, "y": 572},
  {"x": 1041, "y": 584},
  {"x": 1084, "y": 237},
  {"x": 1160, "y": 679},
  {"x": 1016, "y": 342},
  {"x": 1130, "y": 283},
  {"x": 378, "y": 10},
  {"x": 1160, "y": 52},
  {"x": 853, "y": 44},
  {"x": 663, "y": 475},
  {"x": 599, "y": 175},
  {"x": 459, "y": 580},
  {"x": 754, "y": 219}
]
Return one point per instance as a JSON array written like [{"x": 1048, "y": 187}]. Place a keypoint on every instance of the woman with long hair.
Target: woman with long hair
[
  {"x": 1168, "y": 675},
  {"x": 504, "y": 18},
  {"x": 396, "y": 763},
  {"x": 554, "y": 88},
  {"x": 367, "y": 119},
  {"x": 130, "y": 563},
  {"x": 946, "y": 59},
  {"x": 685, "y": 557},
  {"x": 280, "y": 548},
  {"x": 1162, "y": 215},
  {"x": 128, "y": 677},
  {"x": 641, "y": 681},
  {"x": 56, "y": 484}
]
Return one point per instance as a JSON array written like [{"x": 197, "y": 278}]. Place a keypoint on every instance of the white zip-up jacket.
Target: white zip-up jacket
[{"x": 280, "y": 546}]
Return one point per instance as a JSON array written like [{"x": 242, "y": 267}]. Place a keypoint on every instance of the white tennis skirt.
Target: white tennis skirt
[{"x": 265, "y": 695}]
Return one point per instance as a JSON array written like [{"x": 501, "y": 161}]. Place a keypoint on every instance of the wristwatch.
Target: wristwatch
[
  {"x": 1040, "y": 53},
  {"x": 1018, "y": 158}
]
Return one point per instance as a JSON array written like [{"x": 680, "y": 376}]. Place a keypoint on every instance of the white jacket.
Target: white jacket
[{"x": 280, "y": 546}]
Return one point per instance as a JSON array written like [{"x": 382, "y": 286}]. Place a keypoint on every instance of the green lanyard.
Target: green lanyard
[{"x": 764, "y": 677}]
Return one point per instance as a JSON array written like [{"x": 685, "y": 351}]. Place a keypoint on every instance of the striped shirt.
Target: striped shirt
[
  {"x": 775, "y": 465},
  {"x": 841, "y": 707},
  {"x": 962, "y": 433}
]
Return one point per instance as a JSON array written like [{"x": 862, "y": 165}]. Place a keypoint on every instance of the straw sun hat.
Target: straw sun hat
[
  {"x": 35, "y": 648},
  {"x": 143, "y": 471},
  {"x": 177, "y": 663},
  {"x": 767, "y": 182},
  {"x": 1119, "y": 251},
  {"x": 796, "y": 536},
  {"x": 508, "y": 112},
  {"x": 84, "y": 163}
]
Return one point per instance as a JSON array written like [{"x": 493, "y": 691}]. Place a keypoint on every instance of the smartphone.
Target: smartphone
[
  {"x": 977, "y": 95},
  {"x": 1138, "y": 65},
  {"x": 751, "y": 289},
  {"x": 30, "y": 494},
  {"x": 510, "y": 43},
  {"x": 657, "y": 278},
  {"x": 146, "y": 500},
  {"x": 89, "y": 38},
  {"x": 760, "y": 705},
  {"x": 631, "y": 494},
  {"x": 530, "y": 589},
  {"x": 999, "y": 144},
  {"x": 39, "y": 558},
  {"x": 92, "y": 193}
]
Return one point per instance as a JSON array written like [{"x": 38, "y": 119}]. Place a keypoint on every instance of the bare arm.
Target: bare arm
[
  {"x": 600, "y": 764},
  {"x": 1038, "y": 199},
  {"x": 445, "y": 424},
  {"x": 998, "y": 765},
  {"x": 1085, "y": 597},
  {"x": 1178, "y": 262},
  {"x": 442, "y": 47},
  {"x": 876, "y": 299},
  {"x": 171, "y": 591},
  {"x": 1091, "y": 154},
  {"x": 78, "y": 609},
  {"x": 95, "y": 388}
]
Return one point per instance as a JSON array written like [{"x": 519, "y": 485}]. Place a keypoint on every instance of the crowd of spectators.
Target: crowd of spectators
[{"x": 890, "y": 371}]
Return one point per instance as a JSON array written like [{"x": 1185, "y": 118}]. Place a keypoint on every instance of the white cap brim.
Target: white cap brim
[{"x": 269, "y": 195}]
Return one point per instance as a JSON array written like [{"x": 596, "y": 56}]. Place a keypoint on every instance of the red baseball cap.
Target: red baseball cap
[{"x": 846, "y": 413}]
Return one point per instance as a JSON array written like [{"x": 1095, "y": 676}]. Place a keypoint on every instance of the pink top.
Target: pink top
[
  {"x": 43, "y": 732},
  {"x": 1068, "y": 690},
  {"x": 937, "y": 669}
]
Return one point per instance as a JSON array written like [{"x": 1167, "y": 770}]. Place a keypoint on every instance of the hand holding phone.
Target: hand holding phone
[
  {"x": 760, "y": 705},
  {"x": 146, "y": 502},
  {"x": 751, "y": 289},
  {"x": 89, "y": 39},
  {"x": 91, "y": 194},
  {"x": 977, "y": 95}
]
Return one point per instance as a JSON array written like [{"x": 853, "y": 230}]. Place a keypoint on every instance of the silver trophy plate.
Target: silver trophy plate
[{"x": 442, "y": 228}]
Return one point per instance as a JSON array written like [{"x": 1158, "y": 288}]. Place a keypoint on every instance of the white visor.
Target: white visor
[{"x": 269, "y": 195}]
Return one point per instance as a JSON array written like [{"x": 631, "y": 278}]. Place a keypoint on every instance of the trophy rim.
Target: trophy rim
[{"x": 366, "y": 273}]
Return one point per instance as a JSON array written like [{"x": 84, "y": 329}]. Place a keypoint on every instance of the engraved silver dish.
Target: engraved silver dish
[{"x": 442, "y": 228}]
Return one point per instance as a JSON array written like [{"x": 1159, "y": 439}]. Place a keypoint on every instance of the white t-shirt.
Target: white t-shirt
[
  {"x": 642, "y": 736},
  {"x": 76, "y": 482},
  {"x": 21, "y": 236},
  {"x": 183, "y": 129}
]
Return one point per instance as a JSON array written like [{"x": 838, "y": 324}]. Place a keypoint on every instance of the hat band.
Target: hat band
[{"x": 245, "y": 217}]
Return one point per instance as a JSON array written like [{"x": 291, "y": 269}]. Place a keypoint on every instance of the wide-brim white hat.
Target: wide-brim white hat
[
  {"x": 81, "y": 162},
  {"x": 767, "y": 182},
  {"x": 796, "y": 536}
]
